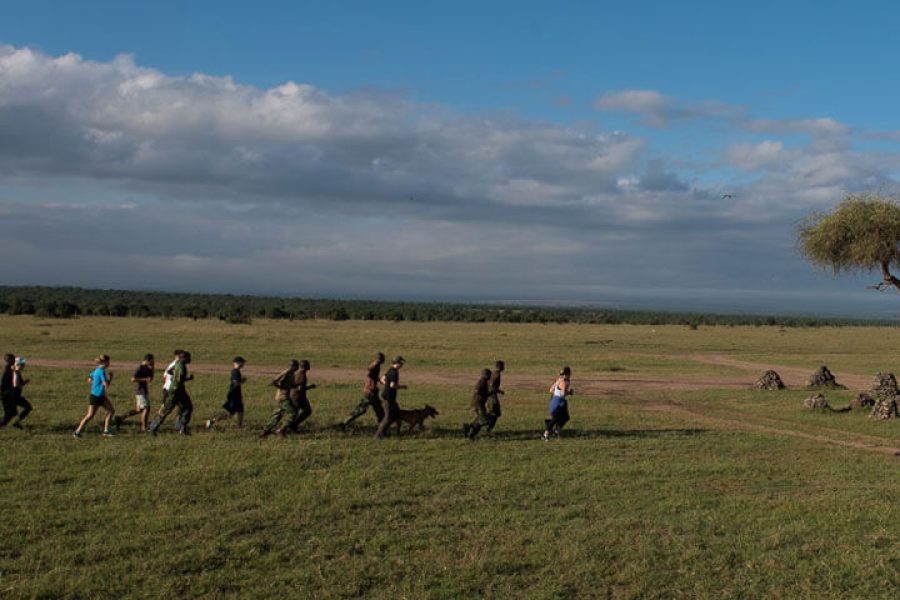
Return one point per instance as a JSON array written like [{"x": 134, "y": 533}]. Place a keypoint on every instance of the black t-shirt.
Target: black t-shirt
[
  {"x": 140, "y": 387},
  {"x": 234, "y": 386},
  {"x": 298, "y": 392},
  {"x": 390, "y": 393},
  {"x": 479, "y": 396},
  {"x": 6, "y": 381},
  {"x": 495, "y": 381}
]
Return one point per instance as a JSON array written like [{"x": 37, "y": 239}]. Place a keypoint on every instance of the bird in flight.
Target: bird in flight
[{"x": 727, "y": 196}]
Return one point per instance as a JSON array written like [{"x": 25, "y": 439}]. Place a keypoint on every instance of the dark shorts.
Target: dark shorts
[
  {"x": 234, "y": 405},
  {"x": 97, "y": 400},
  {"x": 392, "y": 409}
]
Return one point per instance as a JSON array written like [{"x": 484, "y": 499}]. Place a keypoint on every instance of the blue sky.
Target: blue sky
[{"x": 532, "y": 151}]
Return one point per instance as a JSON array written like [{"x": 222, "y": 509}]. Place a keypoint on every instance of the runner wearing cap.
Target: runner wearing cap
[
  {"x": 141, "y": 379},
  {"x": 391, "y": 381},
  {"x": 370, "y": 394},
  {"x": 234, "y": 399}
]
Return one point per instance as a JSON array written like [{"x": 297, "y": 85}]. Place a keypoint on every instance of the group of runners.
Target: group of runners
[{"x": 292, "y": 403}]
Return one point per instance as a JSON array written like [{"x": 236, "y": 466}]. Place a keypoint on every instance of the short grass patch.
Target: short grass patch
[{"x": 635, "y": 501}]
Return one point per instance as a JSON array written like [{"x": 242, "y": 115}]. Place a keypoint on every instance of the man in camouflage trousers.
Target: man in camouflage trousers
[
  {"x": 479, "y": 405},
  {"x": 177, "y": 397},
  {"x": 494, "y": 392},
  {"x": 285, "y": 383},
  {"x": 370, "y": 394},
  {"x": 299, "y": 399}
]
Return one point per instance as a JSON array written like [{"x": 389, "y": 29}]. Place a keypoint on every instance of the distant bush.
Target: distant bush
[{"x": 67, "y": 302}]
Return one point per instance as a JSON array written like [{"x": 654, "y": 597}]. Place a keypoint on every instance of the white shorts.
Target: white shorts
[{"x": 142, "y": 402}]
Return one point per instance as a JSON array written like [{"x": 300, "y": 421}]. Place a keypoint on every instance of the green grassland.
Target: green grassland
[{"x": 652, "y": 493}]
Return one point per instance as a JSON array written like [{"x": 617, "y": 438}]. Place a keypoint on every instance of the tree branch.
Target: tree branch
[{"x": 888, "y": 279}]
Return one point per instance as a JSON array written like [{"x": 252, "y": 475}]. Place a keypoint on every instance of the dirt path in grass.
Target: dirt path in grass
[
  {"x": 745, "y": 422},
  {"x": 593, "y": 385},
  {"x": 792, "y": 376}
]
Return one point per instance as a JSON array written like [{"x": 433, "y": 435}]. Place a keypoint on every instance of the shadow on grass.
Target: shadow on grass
[
  {"x": 430, "y": 433},
  {"x": 519, "y": 434},
  {"x": 572, "y": 433}
]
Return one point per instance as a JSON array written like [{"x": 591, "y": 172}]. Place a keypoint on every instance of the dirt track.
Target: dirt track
[
  {"x": 823, "y": 435},
  {"x": 792, "y": 376}
]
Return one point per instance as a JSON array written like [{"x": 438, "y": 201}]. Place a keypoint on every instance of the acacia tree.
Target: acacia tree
[{"x": 861, "y": 234}]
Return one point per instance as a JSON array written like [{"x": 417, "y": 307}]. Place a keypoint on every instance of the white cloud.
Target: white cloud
[
  {"x": 204, "y": 137},
  {"x": 751, "y": 157},
  {"x": 659, "y": 110},
  {"x": 815, "y": 127},
  {"x": 116, "y": 174}
]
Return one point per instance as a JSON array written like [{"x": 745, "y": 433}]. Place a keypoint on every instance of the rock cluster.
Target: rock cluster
[
  {"x": 885, "y": 393},
  {"x": 885, "y": 383},
  {"x": 823, "y": 378},
  {"x": 884, "y": 409},
  {"x": 817, "y": 401},
  {"x": 862, "y": 400},
  {"x": 769, "y": 381}
]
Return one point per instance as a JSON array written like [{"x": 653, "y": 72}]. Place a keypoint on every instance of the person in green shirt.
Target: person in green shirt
[{"x": 177, "y": 397}]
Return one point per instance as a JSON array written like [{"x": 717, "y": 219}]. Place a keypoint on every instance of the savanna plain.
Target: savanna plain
[{"x": 673, "y": 479}]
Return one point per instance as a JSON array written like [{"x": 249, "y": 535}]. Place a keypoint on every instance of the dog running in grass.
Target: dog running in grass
[{"x": 416, "y": 418}]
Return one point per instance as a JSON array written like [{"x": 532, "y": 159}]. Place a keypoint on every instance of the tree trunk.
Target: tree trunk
[{"x": 889, "y": 279}]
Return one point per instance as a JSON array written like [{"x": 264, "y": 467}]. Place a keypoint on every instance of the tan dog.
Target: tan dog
[{"x": 416, "y": 418}]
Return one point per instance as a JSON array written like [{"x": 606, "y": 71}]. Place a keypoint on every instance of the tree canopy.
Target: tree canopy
[{"x": 861, "y": 234}]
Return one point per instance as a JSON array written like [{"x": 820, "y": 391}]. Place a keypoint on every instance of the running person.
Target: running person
[
  {"x": 99, "y": 379},
  {"x": 6, "y": 390},
  {"x": 284, "y": 382},
  {"x": 559, "y": 408},
  {"x": 16, "y": 399},
  {"x": 299, "y": 398},
  {"x": 167, "y": 376},
  {"x": 141, "y": 379},
  {"x": 234, "y": 399},
  {"x": 177, "y": 397},
  {"x": 391, "y": 381},
  {"x": 370, "y": 394},
  {"x": 494, "y": 392},
  {"x": 479, "y": 406}
]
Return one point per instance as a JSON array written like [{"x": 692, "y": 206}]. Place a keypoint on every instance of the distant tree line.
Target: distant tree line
[{"x": 69, "y": 302}]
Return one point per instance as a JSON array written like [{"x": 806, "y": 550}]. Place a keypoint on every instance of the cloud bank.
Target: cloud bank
[{"x": 119, "y": 175}]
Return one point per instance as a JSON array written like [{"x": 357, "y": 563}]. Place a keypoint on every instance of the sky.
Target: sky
[{"x": 527, "y": 152}]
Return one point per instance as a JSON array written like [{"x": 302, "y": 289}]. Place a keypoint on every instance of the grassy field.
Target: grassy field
[{"x": 653, "y": 492}]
